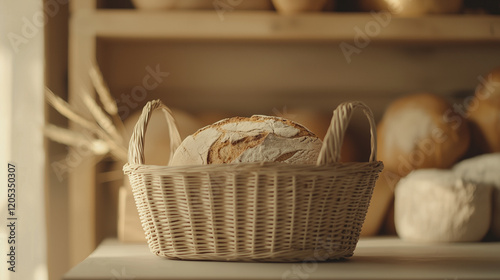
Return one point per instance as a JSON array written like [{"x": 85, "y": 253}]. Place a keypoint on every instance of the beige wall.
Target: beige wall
[{"x": 22, "y": 67}]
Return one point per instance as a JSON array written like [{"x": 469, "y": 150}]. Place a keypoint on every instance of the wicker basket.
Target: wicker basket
[{"x": 273, "y": 212}]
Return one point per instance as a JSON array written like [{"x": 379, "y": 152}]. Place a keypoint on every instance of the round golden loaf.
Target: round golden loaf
[
  {"x": 421, "y": 131},
  {"x": 254, "y": 139}
]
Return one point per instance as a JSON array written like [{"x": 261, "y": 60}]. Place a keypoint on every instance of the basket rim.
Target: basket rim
[{"x": 275, "y": 167}]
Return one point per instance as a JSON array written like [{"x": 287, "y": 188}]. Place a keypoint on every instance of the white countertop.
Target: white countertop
[{"x": 374, "y": 258}]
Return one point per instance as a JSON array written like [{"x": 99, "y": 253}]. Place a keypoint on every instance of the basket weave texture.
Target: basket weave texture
[{"x": 273, "y": 212}]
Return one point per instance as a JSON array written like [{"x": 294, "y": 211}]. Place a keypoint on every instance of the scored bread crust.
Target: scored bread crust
[{"x": 254, "y": 139}]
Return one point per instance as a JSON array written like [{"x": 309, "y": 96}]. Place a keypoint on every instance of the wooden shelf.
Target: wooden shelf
[
  {"x": 374, "y": 258},
  {"x": 269, "y": 25},
  {"x": 263, "y": 56}
]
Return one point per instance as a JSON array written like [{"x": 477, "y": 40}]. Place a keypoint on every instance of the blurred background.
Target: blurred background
[{"x": 209, "y": 60}]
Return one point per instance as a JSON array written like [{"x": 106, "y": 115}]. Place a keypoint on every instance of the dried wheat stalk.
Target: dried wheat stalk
[
  {"x": 75, "y": 139},
  {"x": 100, "y": 116},
  {"x": 105, "y": 97},
  {"x": 116, "y": 149},
  {"x": 68, "y": 111}
]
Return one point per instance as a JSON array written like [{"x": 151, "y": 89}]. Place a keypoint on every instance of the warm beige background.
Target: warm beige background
[{"x": 223, "y": 78}]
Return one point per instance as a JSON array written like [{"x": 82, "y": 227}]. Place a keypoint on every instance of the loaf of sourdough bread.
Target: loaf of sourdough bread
[
  {"x": 421, "y": 131},
  {"x": 437, "y": 205},
  {"x": 254, "y": 139},
  {"x": 484, "y": 170}
]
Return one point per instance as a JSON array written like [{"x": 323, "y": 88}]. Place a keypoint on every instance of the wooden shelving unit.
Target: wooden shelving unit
[
  {"x": 455, "y": 48},
  {"x": 269, "y": 25}
]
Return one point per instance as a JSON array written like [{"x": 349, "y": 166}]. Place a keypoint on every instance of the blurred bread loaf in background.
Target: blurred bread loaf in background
[
  {"x": 483, "y": 112},
  {"x": 421, "y": 131},
  {"x": 438, "y": 205},
  {"x": 416, "y": 131},
  {"x": 425, "y": 131},
  {"x": 484, "y": 170}
]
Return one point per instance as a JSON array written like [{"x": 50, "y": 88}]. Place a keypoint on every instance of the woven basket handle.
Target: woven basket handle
[
  {"x": 330, "y": 151},
  {"x": 136, "y": 145}
]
